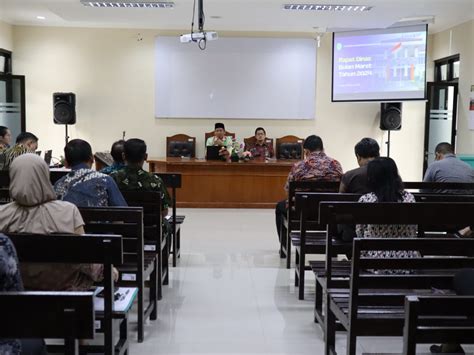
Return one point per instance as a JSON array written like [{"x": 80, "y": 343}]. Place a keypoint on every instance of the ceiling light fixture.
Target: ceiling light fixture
[
  {"x": 317, "y": 7},
  {"x": 130, "y": 4},
  {"x": 41, "y": 17}
]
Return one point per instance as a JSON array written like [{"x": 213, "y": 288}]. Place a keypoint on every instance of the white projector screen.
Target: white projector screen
[{"x": 236, "y": 78}]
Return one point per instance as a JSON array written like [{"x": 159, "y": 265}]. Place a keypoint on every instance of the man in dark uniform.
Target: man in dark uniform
[{"x": 133, "y": 177}]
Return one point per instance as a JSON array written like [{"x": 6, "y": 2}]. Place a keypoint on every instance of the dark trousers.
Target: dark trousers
[{"x": 280, "y": 213}]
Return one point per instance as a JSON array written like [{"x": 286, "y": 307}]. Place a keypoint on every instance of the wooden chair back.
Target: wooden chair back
[
  {"x": 54, "y": 175},
  {"x": 181, "y": 145},
  {"x": 289, "y": 147},
  {"x": 50, "y": 315},
  {"x": 155, "y": 239},
  {"x": 74, "y": 249},
  {"x": 420, "y": 214},
  {"x": 124, "y": 221},
  {"x": 437, "y": 319},
  {"x": 150, "y": 201}
]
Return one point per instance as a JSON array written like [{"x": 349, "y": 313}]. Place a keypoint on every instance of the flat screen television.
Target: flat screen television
[{"x": 380, "y": 65}]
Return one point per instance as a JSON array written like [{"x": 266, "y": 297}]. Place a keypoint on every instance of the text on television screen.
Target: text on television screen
[{"x": 380, "y": 65}]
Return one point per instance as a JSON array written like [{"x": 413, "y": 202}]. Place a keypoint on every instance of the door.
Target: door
[
  {"x": 12, "y": 103},
  {"x": 440, "y": 121}
]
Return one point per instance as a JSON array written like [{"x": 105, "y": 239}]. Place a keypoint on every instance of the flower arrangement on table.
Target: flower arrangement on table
[{"x": 239, "y": 152}]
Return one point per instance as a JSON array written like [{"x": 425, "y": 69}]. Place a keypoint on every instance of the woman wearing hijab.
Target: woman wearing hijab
[{"x": 35, "y": 210}]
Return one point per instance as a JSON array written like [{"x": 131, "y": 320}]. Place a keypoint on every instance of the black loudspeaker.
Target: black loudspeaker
[
  {"x": 64, "y": 108},
  {"x": 391, "y": 116}
]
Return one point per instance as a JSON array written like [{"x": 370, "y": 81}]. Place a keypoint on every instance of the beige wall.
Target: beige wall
[
  {"x": 460, "y": 40},
  {"x": 112, "y": 75},
  {"x": 6, "y": 36}
]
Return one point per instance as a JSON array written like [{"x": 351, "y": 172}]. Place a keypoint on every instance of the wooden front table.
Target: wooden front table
[{"x": 216, "y": 184}]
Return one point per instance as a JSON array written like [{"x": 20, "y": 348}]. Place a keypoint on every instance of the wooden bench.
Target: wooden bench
[
  {"x": 341, "y": 269},
  {"x": 48, "y": 315},
  {"x": 438, "y": 187},
  {"x": 155, "y": 240},
  {"x": 136, "y": 268},
  {"x": 373, "y": 305},
  {"x": 311, "y": 238},
  {"x": 54, "y": 175},
  {"x": 292, "y": 221},
  {"x": 86, "y": 249},
  {"x": 173, "y": 182},
  {"x": 437, "y": 319}
]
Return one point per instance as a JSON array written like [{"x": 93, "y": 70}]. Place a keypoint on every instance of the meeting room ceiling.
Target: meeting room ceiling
[{"x": 238, "y": 15}]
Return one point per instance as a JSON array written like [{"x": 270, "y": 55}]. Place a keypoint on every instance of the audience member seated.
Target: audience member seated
[
  {"x": 36, "y": 210},
  {"x": 83, "y": 186},
  {"x": 117, "y": 154},
  {"x": 355, "y": 181},
  {"x": 316, "y": 166},
  {"x": 26, "y": 142},
  {"x": 221, "y": 140},
  {"x": 261, "y": 149},
  {"x": 10, "y": 281},
  {"x": 5, "y": 138},
  {"x": 133, "y": 177},
  {"x": 385, "y": 185},
  {"x": 448, "y": 168}
]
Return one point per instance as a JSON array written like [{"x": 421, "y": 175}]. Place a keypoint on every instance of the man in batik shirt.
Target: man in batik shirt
[
  {"x": 83, "y": 186},
  {"x": 316, "y": 166},
  {"x": 26, "y": 142},
  {"x": 261, "y": 149}
]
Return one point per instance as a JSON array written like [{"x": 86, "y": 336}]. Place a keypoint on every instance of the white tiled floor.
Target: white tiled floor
[{"x": 231, "y": 294}]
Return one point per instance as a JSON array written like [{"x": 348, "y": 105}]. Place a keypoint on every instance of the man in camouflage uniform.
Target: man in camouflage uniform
[
  {"x": 26, "y": 142},
  {"x": 133, "y": 177}
]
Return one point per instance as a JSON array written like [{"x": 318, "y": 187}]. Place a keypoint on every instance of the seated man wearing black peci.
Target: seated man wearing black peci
[{"x": 219, "y": 139}]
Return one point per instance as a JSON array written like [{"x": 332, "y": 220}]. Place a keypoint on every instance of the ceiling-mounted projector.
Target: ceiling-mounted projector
[
  {"x": 201, "y": 37},
  {"x": 198, "y": 36}
]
